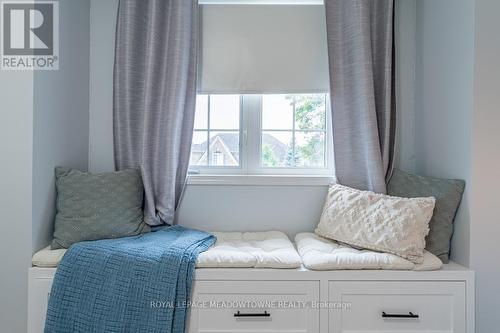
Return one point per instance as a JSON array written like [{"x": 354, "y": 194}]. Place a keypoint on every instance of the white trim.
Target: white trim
[
  {"x": 449, "y": 272},
  {"x": 261, "y": 2},
  {"x": 260, "y": 180},
  {"x": 253, "y": 104}
]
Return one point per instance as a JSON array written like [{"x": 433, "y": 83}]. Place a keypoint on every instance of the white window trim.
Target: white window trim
[
  {"x": 250, "y": 145},
  {"x": 259, "y": 180},
  {"x": 261, "y": 2}
]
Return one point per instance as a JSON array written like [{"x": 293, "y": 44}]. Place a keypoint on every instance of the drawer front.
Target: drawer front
[
  {"x": 39, "y": 292},
  {"x": 254, "y": 306},
  {"x": 372, "y": 306}
]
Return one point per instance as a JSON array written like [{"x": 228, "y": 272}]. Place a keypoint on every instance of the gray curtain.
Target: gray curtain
[
  {"x": 154, "y": 97},
  {"x": 360, "y": 51}
]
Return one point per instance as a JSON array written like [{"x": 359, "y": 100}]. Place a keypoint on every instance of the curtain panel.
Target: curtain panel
[
  {"x": 154, "y": 97},
  {"x": 361, "y": 65}
]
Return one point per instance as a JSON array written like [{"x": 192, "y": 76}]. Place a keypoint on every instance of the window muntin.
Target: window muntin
[{"x": 262, "y": 134}]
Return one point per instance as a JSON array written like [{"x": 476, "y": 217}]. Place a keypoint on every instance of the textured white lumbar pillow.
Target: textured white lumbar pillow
[{"x": 377, "y": 221}]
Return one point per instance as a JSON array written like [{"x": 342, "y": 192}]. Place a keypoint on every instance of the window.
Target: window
[
  {"x": 262, "y": 134},
  {"x": 245, "y": 123}
]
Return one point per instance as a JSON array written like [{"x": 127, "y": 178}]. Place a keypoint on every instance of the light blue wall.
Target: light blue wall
[
  {"x": 444, "y": 94},
  {"x": 292, "y": 209},
  {"x": 60, "y": 115},
  {"x": 16, "y": 145},
  {"x": 457, "y": 127},
  {"x": 405, "y": 36},
  {"x": 485, "y": 220},
  {"x": 43, "y": 123},
  {"x": 102, "y": 50}
]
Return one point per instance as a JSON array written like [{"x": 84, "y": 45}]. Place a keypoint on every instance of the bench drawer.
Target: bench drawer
[
  {"x": 254, "y": 306},
  {"x": 382, "y": 306},
  {"x": 38, "y": 299}
]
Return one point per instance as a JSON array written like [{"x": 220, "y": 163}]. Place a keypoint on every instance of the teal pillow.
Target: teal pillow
[
  {"x": 448, "y": 194},
  {"x": 97, "y": 206}
]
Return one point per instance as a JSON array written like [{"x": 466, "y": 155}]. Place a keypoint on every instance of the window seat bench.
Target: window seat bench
[{"x": 302, "y": 300}]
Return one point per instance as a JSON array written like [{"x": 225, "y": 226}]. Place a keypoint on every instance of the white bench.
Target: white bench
[{"x": 300, "y": 300}]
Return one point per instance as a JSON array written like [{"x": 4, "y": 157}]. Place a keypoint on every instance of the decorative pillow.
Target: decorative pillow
[
  {"x": 377, "y": 221},
  {"x": 448, "y": 194},
  {"x": 97, "y": 206}
]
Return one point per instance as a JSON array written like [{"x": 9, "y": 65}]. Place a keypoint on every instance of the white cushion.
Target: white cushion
[
  {"x": 270, "y": 249},
  {"x": 47, "y": 257},
  {"x": 377, "y": 221},
  {"x": 319, "y": 253}
]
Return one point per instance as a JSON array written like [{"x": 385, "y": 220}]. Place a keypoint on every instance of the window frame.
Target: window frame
[{"x": 250, "y": 145}]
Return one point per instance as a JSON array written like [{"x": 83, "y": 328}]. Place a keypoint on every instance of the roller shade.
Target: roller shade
[{"x": 248, "y": 49}]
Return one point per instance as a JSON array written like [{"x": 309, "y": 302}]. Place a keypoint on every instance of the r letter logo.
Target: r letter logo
[{"x": 29, "y": 35}]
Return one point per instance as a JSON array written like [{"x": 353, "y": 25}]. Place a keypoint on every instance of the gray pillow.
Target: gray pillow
[
  {"x": 97, "y": 206},
  {"x": 448, "y": 193}
]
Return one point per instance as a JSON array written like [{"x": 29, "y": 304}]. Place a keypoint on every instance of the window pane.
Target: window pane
[
  {"x": 201, "y": 115},
  {"x": 225, "y": 112},
  {"x": 224, "y": 149},
  {"x": 199, "y": 148},
  {"x": 277, "y": 112},
  {"x": 277, "y": 149},
  {"x": 310, "y": 149},
  {"x": 310, "y": 111}
]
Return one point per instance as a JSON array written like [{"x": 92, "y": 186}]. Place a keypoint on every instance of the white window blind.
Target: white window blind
[{"x": 252, "y": 49}]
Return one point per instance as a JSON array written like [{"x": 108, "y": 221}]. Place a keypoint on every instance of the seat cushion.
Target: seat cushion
[
  {"x": 319, "y": 253},
  {"x": 270, "y": 249},
  {"x": 47, "y": 257}
]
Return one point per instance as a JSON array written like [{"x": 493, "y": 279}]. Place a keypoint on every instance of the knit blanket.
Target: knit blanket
[{"x": 133, "y": 284}]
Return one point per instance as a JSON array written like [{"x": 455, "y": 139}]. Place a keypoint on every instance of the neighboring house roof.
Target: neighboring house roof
[
  {"x": 231, "y": 142},
  {"x": 218, "y": 145}
]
